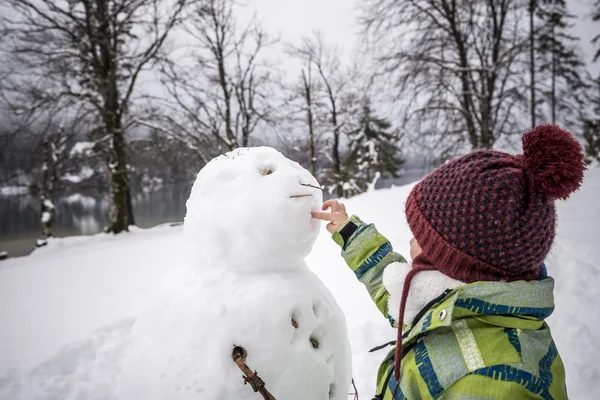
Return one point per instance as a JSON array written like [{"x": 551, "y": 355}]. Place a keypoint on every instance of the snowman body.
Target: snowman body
[{"x": 244, "y": 283}]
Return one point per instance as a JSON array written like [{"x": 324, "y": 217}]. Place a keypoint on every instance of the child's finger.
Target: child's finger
[
  {"x": 328, "y": 204},
  {"x": 333, "y": 204},
  {"x": 331, "y": 227},
  {"x": 323, "y": 216}
]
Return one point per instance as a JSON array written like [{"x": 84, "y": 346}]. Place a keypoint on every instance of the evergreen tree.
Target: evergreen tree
[
  {"x": 373, "y": 153},
  {"x": 591, "y": 127},
  {"x": 559, "y": 64}
]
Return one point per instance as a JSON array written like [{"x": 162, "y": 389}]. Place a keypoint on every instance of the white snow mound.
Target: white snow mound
[{"x": 244, "y": 283}]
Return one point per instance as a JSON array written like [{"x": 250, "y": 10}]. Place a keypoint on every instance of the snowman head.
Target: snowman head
[{"x": 251, "y": 208}]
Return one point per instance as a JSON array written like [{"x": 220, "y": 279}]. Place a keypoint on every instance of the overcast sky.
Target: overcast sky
[
  {"x": 293, "y": 19},
  {"x": 337, "y": 19}
]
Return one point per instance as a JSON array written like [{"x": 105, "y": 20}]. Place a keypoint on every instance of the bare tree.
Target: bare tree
[
  {"x": 456, "y": 66},
  {"x": 86, "y": 54},
  {"x": 307, "y": 84},
  {"x": 300, "y": 128},
  {"x": 334, "y": 79},
  {"x": 220, "y": 94}
]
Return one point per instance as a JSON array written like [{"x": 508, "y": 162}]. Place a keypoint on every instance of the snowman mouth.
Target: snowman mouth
[{"x": 299, "y": 196}]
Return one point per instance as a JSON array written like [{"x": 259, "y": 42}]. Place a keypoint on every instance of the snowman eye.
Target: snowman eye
[{"x": 266, "y": 171}]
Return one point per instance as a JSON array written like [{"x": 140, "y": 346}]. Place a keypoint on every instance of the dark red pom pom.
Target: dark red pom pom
[{"x": 554, "y": 161}]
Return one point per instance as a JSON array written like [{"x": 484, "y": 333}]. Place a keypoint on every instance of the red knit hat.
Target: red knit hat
[{"x": 489, "y": 215}]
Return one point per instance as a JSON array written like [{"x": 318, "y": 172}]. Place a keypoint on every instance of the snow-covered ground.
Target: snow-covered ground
[{"x": 66, "y": 310}]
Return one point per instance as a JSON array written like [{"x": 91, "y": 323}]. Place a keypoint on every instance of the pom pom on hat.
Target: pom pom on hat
[{"x": 553, "y": 161}]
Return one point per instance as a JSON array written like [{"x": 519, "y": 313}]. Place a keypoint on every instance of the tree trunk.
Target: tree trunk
[
  {"x": 336, "y": 147},
  {"x": 246, "y": 128},
  {"x": 486, "y": 140},
  {"x": 47, "y": 191},
  {"x": 532, "y": 6},
  {"x": 130, "y": 218},
  {"x": 467, "y": 99},
  {"x": 467, "y": 114},
  {"x": 336, "y": 134},
  {"x": 309, "y": 118},
  {"x": 119, "y": 198},
  {"x": 245, "y": 137},
  {"x": 118, "y": 215},
  {"x": 553, "y": 89},
  {"x": 231, "y": 140},
  {"x": 118, "y": 206}
]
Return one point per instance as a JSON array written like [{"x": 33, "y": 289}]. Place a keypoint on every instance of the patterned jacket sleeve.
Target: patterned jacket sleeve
[{"x": 367, "y": 253}]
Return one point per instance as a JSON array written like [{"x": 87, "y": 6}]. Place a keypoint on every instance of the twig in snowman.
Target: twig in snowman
[
  {"x": 258, "y": 385},
  {"x": 355, "y": 394}
]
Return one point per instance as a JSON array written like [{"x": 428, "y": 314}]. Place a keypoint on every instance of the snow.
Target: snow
[
  {"x": 81, "y": 149},
  {"x": 85, "y": 173},
  {"x": 574, "y": 263},
  {"x": 67, "y": 309},
  {"x": 371, "y": 186},
  {"x": 56, "y": 297},
  {"x": 46, "y": 217},
  {"x": 48, "y": 204},
  {"x": 151, "y": 184},
  {"x": 13, "y": 190},
  {"x": 77, "y": 198},
  {"x": 247, "y": 230}
]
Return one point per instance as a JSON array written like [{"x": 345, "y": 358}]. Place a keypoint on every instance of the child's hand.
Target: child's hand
[{"x": 336, "y": 217}]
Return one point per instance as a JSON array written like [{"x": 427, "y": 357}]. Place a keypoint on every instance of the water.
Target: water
[
  {"x": 83, "y": 215},
  {"x": 87, "y": 214}
]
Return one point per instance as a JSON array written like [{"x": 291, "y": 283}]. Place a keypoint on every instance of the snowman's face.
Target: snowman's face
[{"x": 253, "y": 204}]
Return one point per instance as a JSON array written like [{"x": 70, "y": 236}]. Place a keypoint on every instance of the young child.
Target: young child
[{"x": 473, "y": 302}]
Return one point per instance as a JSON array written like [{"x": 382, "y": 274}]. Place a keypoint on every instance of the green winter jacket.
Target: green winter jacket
[{"x": 486, "y": 340}]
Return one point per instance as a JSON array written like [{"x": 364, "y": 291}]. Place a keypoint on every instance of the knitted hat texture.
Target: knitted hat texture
[{"x": 489, "y": 215}]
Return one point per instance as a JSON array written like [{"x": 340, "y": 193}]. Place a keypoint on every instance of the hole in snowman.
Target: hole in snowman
[
  {"x": 332, "y": 391},
  {"x": 314, "y": 342},
  {"x": 294, "y": 317},
  {"x": 317, "y": 309},
  {"x": 297, "y": 334},
  {"x": 264, "y": 171}
]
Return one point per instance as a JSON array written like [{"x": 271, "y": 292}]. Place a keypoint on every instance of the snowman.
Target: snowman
[{"x": 243, "y": 284}]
